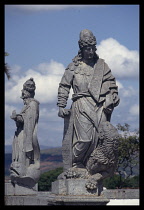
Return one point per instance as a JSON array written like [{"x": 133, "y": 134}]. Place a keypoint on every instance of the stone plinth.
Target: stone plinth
[
  {"x": 72, "y": 187},
  {"x": 15, "y": 189},
  {"x": 69, "y": 192},
  {"x": 49, "y": 199},
  {"x": 74, "y": 192},
  {"x": 78, "y": 200}
]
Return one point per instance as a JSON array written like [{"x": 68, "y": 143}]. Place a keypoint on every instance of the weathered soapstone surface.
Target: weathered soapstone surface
[
  {"x": 25, "y": 166},
  {"x": 90, "y": 141},
  {"x": 74, "y": 192},
  {"x": 122, "y": 193},
  {"x": 77, "y": 200},
  {"x": 53, "y": 200},
  {"x": 101, "y": 164},
  {"x": 15, "y": 189},
  {"x": 73, "y": 187},
  {"x": 40, "y": 199},
  {"x": 119, "y": 196}
]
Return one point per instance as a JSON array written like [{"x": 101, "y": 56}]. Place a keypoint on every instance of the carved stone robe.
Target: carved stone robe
[
  {"x": 26, "y": 151},
  {"x": 94, "y": 89}
]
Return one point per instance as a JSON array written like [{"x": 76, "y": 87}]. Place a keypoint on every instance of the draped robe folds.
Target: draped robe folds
[
  {"x": 94, "y": 89},
  {"x": 25, "y": 142}
]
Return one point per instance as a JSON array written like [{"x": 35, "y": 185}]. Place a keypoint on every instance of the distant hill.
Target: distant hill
[
  {"x": 8, "y": 148},
  {"x": 50, "y": 159},
  {"x": 52, "y": 151}
]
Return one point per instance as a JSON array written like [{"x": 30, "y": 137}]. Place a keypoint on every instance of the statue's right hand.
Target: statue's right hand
[
  {"x": 13, "y": 116},
  {"x": 61, "y": 112}
]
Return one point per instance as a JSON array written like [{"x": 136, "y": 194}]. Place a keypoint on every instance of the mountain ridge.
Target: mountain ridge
[
  {"x": 50, "y": 159},
  {"x": 8, "y": 148}
]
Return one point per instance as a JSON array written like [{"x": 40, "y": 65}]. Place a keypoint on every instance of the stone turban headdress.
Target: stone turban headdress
[
  {"x": 29, "y": 85},
  {"x": 86, "y": 38}
]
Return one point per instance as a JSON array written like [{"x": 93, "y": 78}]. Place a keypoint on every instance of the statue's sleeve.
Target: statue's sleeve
[
  {"x": 64, "y": 86},
  {"x": 30, "y": 119},
  {"x": 109, "y": 79}
]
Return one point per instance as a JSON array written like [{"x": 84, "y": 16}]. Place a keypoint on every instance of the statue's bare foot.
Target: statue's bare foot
[
  {"x": 74, "y": 173},
  {"x": 91, "y": 184},
  {"x": 62, "y": 176},
  {"x": 69, "y": 174}
]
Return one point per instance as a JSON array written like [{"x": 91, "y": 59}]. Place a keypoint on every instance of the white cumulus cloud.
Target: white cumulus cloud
[
  {"x": 129, "y": 92},
  {"x": 123, "y": 62},
  {"x": 47, "y": 77},
  {"x": 119, "y": 84},
  {"x": 134, "y": 110},
  {"x": 48, "y": 7},
  {"x": 9, "y": 109}
]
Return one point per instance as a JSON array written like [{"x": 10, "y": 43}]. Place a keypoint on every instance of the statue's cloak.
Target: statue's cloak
[
  {"x": 25, "y": 140},
  {"x": 81, "y": 126}
]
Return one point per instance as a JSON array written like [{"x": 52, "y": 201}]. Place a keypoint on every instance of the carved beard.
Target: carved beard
[
  {"x": 26, "y": 96},
  {"x": 26, "y": 101}
]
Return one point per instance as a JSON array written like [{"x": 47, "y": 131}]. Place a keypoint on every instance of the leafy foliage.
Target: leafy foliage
[
  {"x": 128, "y": 160},
  {"x": 117, "y": 182},
  {"x": 44, "y": 183},
  {"x": 128, "y": 151}
]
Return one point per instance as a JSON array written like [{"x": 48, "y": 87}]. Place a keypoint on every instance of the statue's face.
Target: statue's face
[
  {"x": 88, "y": 52},
  {"x": 25, "y": 96}
]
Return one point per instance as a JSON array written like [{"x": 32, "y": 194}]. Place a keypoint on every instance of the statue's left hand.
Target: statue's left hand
[{"x": 116, "y": 99}]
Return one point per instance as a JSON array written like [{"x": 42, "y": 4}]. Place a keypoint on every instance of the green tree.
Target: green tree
[
  {"x": 115, "y": 182},
  {"x": 128, "y": 151},
  {"x": 128, "y": 160},
  {"x": 132, "y": 182},
  {"x": 112, "y": 182},
  {"x": 44, "y": 183}
]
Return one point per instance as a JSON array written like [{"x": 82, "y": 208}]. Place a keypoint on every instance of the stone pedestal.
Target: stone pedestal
[
  {"x": 120, "y": 197},
  {"x": 73, "y": 187},
  {"x": 15, "y": 189},
  {"x": 77, "y": 200},
  {"x": 74, "y": 192}
]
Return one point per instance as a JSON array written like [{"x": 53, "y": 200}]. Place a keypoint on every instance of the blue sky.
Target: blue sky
[{"x": 43, "y": 39}]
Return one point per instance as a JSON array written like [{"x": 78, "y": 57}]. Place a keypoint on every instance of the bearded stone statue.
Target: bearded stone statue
[
  {"x": 25, "y": 166},
  {"x": 90, "y": 142}
]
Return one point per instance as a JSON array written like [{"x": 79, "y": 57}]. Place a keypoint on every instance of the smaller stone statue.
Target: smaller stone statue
[{"x": 25, "y": 166}]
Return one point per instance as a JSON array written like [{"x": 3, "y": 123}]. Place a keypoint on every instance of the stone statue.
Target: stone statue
[
  {"x": 25, "y": 166},
  {"x": 101, "y": 163},
  {"x": 90, "y": 142}
]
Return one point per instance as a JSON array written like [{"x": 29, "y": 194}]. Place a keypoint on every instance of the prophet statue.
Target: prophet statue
[
  {"x": 87, "y": 122},
  {"x": 25, "y": 166}
]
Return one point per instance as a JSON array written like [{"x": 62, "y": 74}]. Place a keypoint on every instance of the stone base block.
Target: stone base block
[
  {"x": 73, "y": 187},
  {"x": 15, "y": 189},
  {"x": 48, "y": 199},
  {"x": 78, "y": 200}
]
